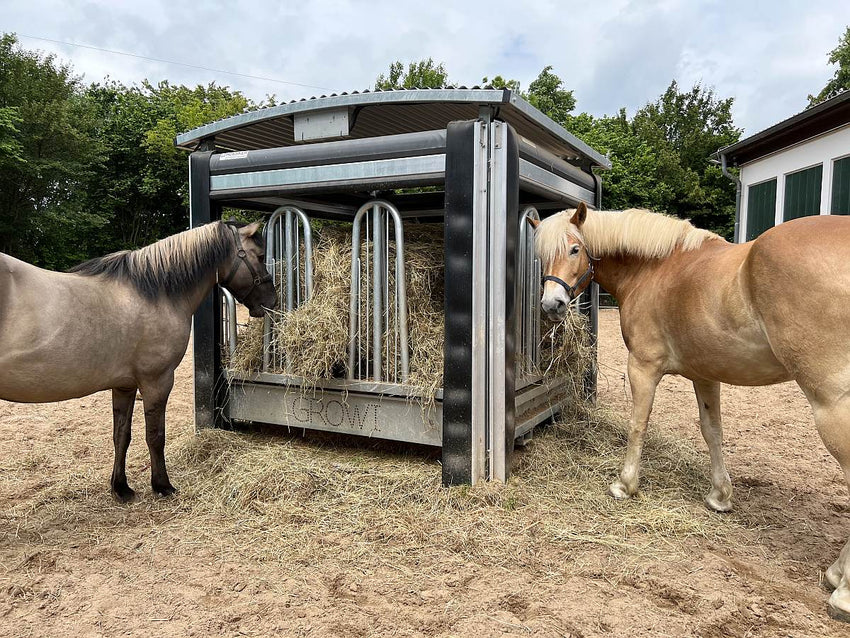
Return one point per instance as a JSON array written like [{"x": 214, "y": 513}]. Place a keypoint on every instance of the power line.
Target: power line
[{"x": 191, "y": 66}]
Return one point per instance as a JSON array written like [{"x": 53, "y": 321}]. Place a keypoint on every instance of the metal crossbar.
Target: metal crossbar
[{"x": 377, "y": 337}]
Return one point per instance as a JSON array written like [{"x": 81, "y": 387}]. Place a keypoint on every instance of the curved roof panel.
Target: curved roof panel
[{"x": 378, "y": 113}]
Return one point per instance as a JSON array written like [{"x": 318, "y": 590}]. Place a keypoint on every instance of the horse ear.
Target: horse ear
[
  {"x": 251, "y": 229},
  {"x": 534, "y": 223},
  {"x": 580, "y": 215}
]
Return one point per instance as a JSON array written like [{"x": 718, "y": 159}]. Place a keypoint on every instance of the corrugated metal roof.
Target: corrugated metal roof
[{"x": 377, "y": 113}]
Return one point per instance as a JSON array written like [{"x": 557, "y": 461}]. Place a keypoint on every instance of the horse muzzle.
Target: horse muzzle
[{"x": 554, "y": 307}]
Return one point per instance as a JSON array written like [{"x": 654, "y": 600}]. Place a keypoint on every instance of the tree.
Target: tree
[
  {"x": 684, "y": 129},
  {"x": 840, "y": 81},
  {"x": 424, "y": 74},
  {"x": 546, "y": 93},
  {"x": 142, "y": 187},
  {"x": 47, "y": 146}
]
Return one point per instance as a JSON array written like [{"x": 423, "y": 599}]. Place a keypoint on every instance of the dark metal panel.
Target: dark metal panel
[
  {"x": 457, "y": 375},
  {"x": 554, "y": 164},
  {"x": 206, "y": 326},
  {"x": 511, "y": 301}
]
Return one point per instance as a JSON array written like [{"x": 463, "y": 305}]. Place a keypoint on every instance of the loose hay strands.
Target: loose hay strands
[{"x": 299, "y": 502}]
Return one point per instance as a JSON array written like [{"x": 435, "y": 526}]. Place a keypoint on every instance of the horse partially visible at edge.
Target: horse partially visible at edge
[
  {"x": 771, "y": 310},
  {"x": 122, "y": 323}
]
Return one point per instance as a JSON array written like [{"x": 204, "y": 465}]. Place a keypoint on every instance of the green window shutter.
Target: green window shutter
[
  {"x": 761, "y": 208},
  {"x": 841, "y": 187},
  {"x": 802, "y": 193}
]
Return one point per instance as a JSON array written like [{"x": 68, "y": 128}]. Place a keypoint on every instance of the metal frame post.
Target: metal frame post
[
  {"x": 207, "y": 321},
  {"x": 482, "y": 216}
]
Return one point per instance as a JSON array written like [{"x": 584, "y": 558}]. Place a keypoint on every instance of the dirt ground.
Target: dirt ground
[{"x": 73, "y": 563}]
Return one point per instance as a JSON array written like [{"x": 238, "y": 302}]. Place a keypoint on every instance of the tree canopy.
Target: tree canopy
[
  {"x": 840, "y": 80},
  {"x": 86, "y": 170}
]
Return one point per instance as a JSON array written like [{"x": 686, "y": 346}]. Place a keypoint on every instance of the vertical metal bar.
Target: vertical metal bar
[
  {"x": 354, "y": 303},
  {"x": 480, "y": 276},
  {"x": 400, "y": 288},
  {"x": 496, "y": 306},
  {"x": 229, "y": 320},
  {"x": 290, "y": 260},
  {"x": 209, "y": 390},
  {"x": 271, "y": 236},
  {"x": 377, "y": 291}
]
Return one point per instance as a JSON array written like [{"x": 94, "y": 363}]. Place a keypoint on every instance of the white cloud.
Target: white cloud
[{"x": 768, "y": 56}]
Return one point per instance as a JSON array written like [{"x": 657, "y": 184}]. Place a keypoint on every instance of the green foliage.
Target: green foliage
[
  {"x": 143, "y": 184},
  {"x": 547, "y": 94},
  {"x": 86, "y": 171},
  {"x": 424, "y": 74},
  {"x": 840, "y": 81},
  {"x": 684, "y": 128},
  {"x": 499, "y": 82},
  {"x": 47, "y": 145}
]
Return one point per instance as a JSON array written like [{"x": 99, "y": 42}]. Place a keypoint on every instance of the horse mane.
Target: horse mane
[
  {"x": 170, "y": 267},
  {"x": 635, "y": 231}
]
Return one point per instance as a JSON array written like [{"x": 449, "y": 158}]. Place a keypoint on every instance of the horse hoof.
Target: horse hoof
[
  {"x": 618, "y": 491},
  {"x": 165, "y": 490},
  {"x": 832, "y": 578},
  {"x": 124, "y": 494},
  {"x": 838, "y": 614},
  {"x": 718, "y": 506}
]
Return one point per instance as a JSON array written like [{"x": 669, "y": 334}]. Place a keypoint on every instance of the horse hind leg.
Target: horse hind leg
[
  {"x": 122, "y": 417},
  {"x": 719, "y": 498},
  {"x": 833, "y": 422},
  {"x": 155, "y": 397}
]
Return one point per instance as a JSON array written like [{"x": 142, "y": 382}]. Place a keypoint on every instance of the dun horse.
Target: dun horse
[
  {"x": 121, "y": 323},
  {"x": 694, "y": 305}
]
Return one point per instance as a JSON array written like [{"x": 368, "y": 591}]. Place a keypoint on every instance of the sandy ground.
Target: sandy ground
[{"x": 72, "y": 563}]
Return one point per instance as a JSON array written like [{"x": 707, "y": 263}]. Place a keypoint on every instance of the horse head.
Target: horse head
[
  {"x": 568, "y": 269},
  {"x": 245, "y": 275}
]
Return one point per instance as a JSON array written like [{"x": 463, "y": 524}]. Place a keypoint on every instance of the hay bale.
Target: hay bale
[{"x": 311, "y": 341}]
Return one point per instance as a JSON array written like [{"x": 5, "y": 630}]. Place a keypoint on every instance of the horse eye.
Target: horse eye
[{"x": 574, "y": 250}]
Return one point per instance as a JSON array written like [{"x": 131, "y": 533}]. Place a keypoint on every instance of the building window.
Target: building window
[
  {"x": 761, "y": 208},
  {"x": 840, "y": 187},
  {"x": 802, "y": 193}
]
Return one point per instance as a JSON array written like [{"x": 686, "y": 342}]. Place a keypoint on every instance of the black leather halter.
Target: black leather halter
[
  {"x": 574, "y": 291},
  {"x": 242, "y": 257}
]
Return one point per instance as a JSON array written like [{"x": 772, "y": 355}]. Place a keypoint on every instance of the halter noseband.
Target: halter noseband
[
  {"x": 573, "y": 291},
  {"x": 242, "y": 257}
]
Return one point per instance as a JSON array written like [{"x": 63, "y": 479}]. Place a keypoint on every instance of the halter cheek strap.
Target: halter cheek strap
[
  {"x": 242, "y": 257},
  {"x": 573, "y": 291}
]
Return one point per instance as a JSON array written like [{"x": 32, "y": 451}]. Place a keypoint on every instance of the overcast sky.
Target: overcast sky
[{"x": 614, "y": 53}]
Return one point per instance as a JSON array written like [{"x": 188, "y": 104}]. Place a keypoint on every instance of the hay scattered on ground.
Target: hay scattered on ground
[{"x": 299, "y": 502}]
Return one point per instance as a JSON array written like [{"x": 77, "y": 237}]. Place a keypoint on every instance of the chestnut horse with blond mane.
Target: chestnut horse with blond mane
[{"x": 695, "y": 305}]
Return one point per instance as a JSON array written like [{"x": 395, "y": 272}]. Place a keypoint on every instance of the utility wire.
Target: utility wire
[{"x": 191, "y": 66}]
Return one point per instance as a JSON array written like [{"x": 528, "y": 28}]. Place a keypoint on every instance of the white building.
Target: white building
[{"x": 798, "y": 167}]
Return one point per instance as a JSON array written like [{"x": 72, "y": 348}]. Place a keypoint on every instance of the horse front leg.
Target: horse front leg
[
  {"x": 643, "y": 379},
  {"x": 708, "y": 396},
  {"x": 155, "y": 396},
  {"x": 122, "y": 417}
]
